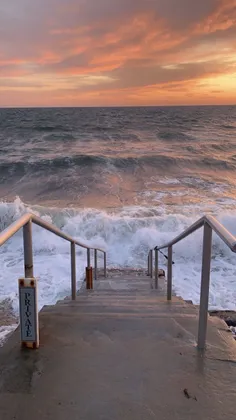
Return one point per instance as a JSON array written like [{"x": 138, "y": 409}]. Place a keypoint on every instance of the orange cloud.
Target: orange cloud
[{"x": 108, "y": 52}]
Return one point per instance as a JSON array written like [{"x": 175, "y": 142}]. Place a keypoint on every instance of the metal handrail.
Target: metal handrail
[
  {"x": 25, "y": 222},
  {"x": 210, "y": 224},
  {"x": 218, "y": 228},
  {"x": 14, "y": 227}
]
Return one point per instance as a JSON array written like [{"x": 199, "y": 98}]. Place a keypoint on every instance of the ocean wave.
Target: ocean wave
[
  {"x": 45, "y": 127},
  {"x": 127, "y": 235},
  {"x": 44, "y": 166},
  {"x": 59, "y": 136},
  {"x": 174, "y": 135},
  {"x": 228, "y": 127},
  {"x": 20, "y": 168}
]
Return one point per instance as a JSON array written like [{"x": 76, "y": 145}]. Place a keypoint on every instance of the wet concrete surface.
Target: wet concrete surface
[{"x": 120, "y": 352}]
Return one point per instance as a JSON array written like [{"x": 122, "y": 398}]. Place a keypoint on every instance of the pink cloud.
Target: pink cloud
[{"x": 132, "y": 44}]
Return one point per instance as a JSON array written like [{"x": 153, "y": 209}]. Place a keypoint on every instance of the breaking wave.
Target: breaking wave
[{"x": 126, "y": 234}]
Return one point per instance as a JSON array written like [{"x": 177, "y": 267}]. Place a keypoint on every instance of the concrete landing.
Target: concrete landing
[{"x": 120, "y": 352}]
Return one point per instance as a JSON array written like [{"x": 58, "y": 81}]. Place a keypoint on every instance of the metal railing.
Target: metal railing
[
  {"x": 209, "y": 223},
  {"x": 25, "y": 222}
]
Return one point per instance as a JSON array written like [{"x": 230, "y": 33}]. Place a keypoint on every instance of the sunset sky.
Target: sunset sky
[{"x": 117, "y": 52}]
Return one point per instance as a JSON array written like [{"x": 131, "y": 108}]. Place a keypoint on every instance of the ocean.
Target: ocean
[{"x": 125, "y": 179}]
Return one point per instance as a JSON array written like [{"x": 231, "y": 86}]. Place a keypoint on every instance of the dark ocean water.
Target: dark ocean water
[
  {"x": 129, "y": 156},
  {"x": 122, "y": 178}
]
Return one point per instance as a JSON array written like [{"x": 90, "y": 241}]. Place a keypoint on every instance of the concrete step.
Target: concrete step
[
  {"x": 109, "y": 305},
  {"x": 121, "y": 301}
]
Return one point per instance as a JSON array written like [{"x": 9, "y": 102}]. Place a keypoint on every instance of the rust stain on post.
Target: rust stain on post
[{"x": 89, "y": 278}]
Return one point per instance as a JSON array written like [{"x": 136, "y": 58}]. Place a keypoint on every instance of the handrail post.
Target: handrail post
[
  {"x": 156, "y": 268},
  {"x": 88, "y": 257},
  {"x": 28, "y": 249},
  {"x": 105, "y": 264},
  {"x": 148, "y": 264},
  {"x": 205, "y": 284},
  {"x": 95, "y": 264},
  {"x": 73, "y": 271},
  {"x": 169, "y": 274},
  {"x": 151, "y": 264},
  {"x": 28, "y": 303}
]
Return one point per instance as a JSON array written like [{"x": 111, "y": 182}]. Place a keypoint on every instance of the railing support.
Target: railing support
[
  {"x": 169, "y": 274},
  {"x": 205, "y": 284},
  {"x": 151, "y": 264},
  {"x": 88, "y": 257},
  {"x": 89, "y": 278},
  {"x": 73, "y": 271},
  {"x": 148, "y": 264},
  {"x": 95, "y": 264},
  {"x": 156, "y": 269},
  {"x": 28, "y": 304},
  {"x": 28, "y": 249},
  {"x": 105, "y": 264}
]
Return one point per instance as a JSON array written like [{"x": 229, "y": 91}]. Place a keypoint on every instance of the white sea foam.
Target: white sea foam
[
  {"x": 127, "y": 235},
  {"x": 153, "y": 195},
  {"x": 167, "y": 180}
]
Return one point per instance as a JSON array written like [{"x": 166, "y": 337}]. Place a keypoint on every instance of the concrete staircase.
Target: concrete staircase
[{"x": 120, "y": 351}]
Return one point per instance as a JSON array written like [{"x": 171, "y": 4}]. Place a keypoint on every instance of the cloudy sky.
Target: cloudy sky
[{"x": 117, "y": 52}]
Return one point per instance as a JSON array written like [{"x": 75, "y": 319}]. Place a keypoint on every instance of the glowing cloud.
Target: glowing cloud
[{"x": 106, "y": 52}]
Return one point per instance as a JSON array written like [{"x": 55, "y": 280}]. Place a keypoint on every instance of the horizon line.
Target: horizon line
[{"x": 117, "y": 106}]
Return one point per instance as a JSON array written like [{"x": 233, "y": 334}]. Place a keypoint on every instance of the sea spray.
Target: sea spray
[{"x": 127, "y": 235}]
